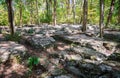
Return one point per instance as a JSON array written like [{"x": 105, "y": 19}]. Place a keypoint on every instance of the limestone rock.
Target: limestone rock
[
  {"x": 89, "y": 53},
  {"x": 63, "y": 76},
  {"x": 75, "y": 71},
  {"x": 96, "y": 44},
  {"x": 9, "y": 49},
  {"x": 112, "y": 35},
  {"x": 40, "y": 42}
]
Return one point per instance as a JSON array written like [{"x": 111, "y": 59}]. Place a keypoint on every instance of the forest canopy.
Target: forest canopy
[{"x": 67, "y": 11}]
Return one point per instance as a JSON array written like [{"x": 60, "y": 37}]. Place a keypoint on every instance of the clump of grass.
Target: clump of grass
[
  {"x": 32, "y": 61},
  {"x": 16, "y": 37}
]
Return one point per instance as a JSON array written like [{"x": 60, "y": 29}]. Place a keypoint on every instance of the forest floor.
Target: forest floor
[{"x": 63, "y": 51}]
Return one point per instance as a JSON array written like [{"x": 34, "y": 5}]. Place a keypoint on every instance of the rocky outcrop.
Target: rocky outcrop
[
  {"x": 40, "y": 42},
  {"x": 112, "y": 35},
  {"x": 11, "y": 49},
  {"x": 96, "y": 44}
]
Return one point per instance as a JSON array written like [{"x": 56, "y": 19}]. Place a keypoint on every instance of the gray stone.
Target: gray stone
[
  {"x": 71, "y": 63},
  {"x": 75, "y": 71},
  {"x": 63, "y": 76},
  {"x": 116, "y": 74},
  {"x": 88, "y": 66},
  {"x": 40, "y": 42},
  {"x": 112, "y": 35},
  {"x": 69, "y": 30},
  {"x": 91, "y": 42},
  {"x": 104, "y": 76},
  {"x": 57, "y": 72},
  {"x": 88, "y": 53},
  {"x": 69, "y": 57},
  {"x": 105, "y": 68},
  {"x": 10, "y": 49}
]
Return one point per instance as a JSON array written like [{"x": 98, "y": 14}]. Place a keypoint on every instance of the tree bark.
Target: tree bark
[
  {"x": 101, "y": 21},
  {"x": 48, "y": 9},
  {"x": 68, "y": 9},
  {"x": 119, "y": 12},
  {"x": 74, "y": 1},
  {"x": 110, "y": 12},
  {"x": 85, "y": 13},
  {"x": 10, "y": 16},
  {"x": 37, "y": 16},
  {"x": 31, "y": 13},
  {"x": 20, "y": 13},
  {"x": 54, "y": 13}
]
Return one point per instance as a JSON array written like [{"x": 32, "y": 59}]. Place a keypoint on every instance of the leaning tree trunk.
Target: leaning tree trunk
[
  {"x": 110, "y": 12},
  {"x": 101, "y": 22},
  {"x": 85, "y": 13},
  {"x": 10, "y": 16},
  {"x": 54, "y": 13},
  {"x": 74, "y": 11}
]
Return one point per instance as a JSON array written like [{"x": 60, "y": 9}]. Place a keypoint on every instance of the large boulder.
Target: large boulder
[
  {"x": 40, "y": 42},
  {"x": 11, "y": 49}
]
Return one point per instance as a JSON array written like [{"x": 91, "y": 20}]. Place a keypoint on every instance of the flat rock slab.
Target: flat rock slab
[
  {"x": 9, "y": 49},
  {"x": 63, "y": 76},
  {"x": 84, "y": 69},
  {"x": 40, "y": 42},
  {"x": 87, "y": 53},
  {"x": 97, "y": 44},
  {"x": 112, "y": 35}
]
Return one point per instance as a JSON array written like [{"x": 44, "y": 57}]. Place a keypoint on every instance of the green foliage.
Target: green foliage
[
  {"x": 29, "y": 12},
  {"x": 16, "y": 37},
  {"x": 45, "y": 18},
  {"x": 32, "y": 61},
  {"x": 3, "y": 16},
  {"x": 30, "y": 31}
]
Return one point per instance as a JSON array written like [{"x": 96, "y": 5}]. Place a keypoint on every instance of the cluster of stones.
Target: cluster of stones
[{"x": 88, "y": 56}]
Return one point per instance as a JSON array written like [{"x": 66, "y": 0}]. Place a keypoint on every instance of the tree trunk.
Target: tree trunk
[
  {"x": 101, "y": 23},
  {"x": 37, "y": 16},
  {"x": 10, "y": 16},
  {"x": 85, "y": 13},
  {"x": 68, "y": 9},
  {"x": 20, "y": 13},
  {"x": 47, "y": 7},
  {"x": 31, "y": 13},
  {"x": 48, "y": 13},
  {"x": 74, "y": 11},
  {"x": 54, "y": 13},
  {"x": 119, "y": 12},
  {"x": 81, "y": 8},
  {"x": 110, "y": 12}
]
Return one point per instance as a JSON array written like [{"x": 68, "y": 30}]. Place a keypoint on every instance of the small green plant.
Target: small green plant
[
  {"x": 32, "y": 61},
  {"x": 16, "y": 37},
  {"x": 31, "y": 31},
  {"x": 73, "y": 45}
]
